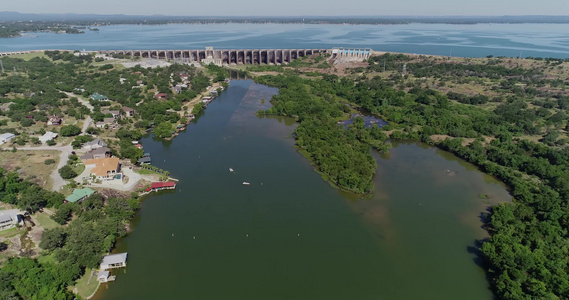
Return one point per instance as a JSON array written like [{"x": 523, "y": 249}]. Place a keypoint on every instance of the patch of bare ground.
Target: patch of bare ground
[{"x": 465, "y": 141}]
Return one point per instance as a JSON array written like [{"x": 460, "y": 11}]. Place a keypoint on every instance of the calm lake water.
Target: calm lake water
[
  {"x": 513, "y": 40},
  {"x": 289, "y": 235}
]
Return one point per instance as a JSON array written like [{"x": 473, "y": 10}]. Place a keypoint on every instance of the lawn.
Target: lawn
[
  {"x": 29, "y": 56},
  {"x": 45, "y": 220},
  {"x": 87, "y": 285}
]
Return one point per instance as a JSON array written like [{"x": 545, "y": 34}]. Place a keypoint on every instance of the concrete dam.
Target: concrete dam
[{"x": 238, "y": 56}]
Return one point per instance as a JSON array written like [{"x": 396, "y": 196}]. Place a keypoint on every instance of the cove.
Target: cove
[{"x": 289, "y": 235}]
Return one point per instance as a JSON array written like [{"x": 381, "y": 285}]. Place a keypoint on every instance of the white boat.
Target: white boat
[
  {"x": 230, "y": 170},
  {"x": 246, "y": 183}
]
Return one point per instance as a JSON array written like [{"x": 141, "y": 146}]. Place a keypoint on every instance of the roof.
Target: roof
[
  {"x": 103, "y": 165},
  {"x": 157, "y": 185},
  {"x": 97, "y": 96},
  {"x": 48, "y": 136},
  {"x": 97, "y": 142},
  {"x": 127, "y": 109},
  {"x": 114, "y": 259},
  {"x": 6, "y": 135},
  {"x": 103, "y": 274},
  {"x": 161, "y": 95},
  {"x": 144, "y": 159},
  {"x": 112, "y": 112},
  {"x": 79, "y": 194},
  {"x": 91, "y": 154},
  {"x": 9, "y": 215},
  {"x": 109, "y": 120}
]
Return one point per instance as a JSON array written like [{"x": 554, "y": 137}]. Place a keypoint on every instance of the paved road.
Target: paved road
[{"x": 58, "y": 182}]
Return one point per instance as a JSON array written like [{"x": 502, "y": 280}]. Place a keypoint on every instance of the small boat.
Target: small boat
[
  {"x": 230, "y": 170},
  {"x": 246, "y": 183}
]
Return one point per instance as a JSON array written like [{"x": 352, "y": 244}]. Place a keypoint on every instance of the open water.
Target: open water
[{"x": 289, "y": 234}]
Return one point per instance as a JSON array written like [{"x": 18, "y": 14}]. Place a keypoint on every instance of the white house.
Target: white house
[
  {"x": 6, "y": 137},
  {"x": 94, "y": 144},
  {"x": 10, "y": 218},
  {"x": 113, "y": 261}
]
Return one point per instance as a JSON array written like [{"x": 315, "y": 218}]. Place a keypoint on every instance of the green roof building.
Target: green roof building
[
  {"x": 79, "y": 195},
  {"x": 99, "y": 97}
]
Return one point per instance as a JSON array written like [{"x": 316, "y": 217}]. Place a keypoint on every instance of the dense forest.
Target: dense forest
[{"x": 526, "y": 255}]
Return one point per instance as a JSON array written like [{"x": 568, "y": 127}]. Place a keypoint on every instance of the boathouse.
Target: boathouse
[
  {"x": 113, "y": 261},
  {"x": 158, "y": 186}
]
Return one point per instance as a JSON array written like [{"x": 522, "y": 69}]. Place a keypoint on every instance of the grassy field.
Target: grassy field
[
  {"x": 30, "y": 164},
  {"x": 86, "y": 285},
  {"x": 45, "y": 220},
  {"x": 29, "y": 56}
]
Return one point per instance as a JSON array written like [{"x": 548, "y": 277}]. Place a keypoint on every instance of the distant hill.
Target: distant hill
[{"x": 9, "y": 16}]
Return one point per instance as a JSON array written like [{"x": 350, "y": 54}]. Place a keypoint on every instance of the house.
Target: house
[
  {"x": 99, "y": 97},
  {"x": 48, "y": 136},
  {"x": 10, "y": 218},
  {"x": 104, "y": 168},
  {"x": 128, "y": 111},
  {"x": 114, "y": 113},
  {"x": 177, "y": 89},
  {"x": 53, "y": 120},
  {"x": 79, "y": 195},
  {"x": 110, "y": 122},
  {"x": 113, "y": 261},
  {"x": 6, "y": 106},
  {"x": 101, "y": 152},
  {"x": 161, "y": 96},
  {"x": 6, "y": 137},
  {"x": 139, "y": 146},
  {"x": 158, "y": 186},
  {"x": 94, "y": 144}
]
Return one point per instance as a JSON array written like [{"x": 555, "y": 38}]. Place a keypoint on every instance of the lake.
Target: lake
[
  {"x": 289, "y": 234},
  {"x": 512, "y": 40}
]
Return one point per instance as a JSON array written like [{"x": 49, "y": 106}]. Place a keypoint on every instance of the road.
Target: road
[{"x": 58, "y": 182}]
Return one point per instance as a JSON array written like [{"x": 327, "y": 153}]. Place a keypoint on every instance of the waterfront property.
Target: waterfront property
[
  {"x": 104, "y": 168},
  {"x": 145, "y": 159},
  {"x": 79, "y": 195},
  {"x": 158, "y": 186},
  {"x": 113, "y": 261},
  {"x": 10, "y": 218},
  {"x": 105, "y": 276}
]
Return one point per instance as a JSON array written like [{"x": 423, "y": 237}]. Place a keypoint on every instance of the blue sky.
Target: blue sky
[{"x": 293, "y": 7}]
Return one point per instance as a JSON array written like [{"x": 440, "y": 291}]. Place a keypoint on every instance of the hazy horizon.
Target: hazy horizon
[{"x": 298, "y": 8}]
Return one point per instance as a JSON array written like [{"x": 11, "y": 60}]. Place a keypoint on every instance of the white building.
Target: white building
[
  {"x": 6, "y": 137},
  {"x": 10, "y": 218},
  {"x": 113, "y": 261},
  {"x": 48, "y": 136}
]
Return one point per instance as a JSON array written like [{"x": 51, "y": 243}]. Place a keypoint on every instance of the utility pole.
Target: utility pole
[{"x": 2, "y": 65}]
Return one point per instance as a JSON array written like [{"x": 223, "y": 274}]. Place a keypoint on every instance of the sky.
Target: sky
[{"x": 292, "y": 7}]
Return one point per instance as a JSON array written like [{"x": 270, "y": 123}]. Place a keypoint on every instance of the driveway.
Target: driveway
[{"x": 58, "y": 182}]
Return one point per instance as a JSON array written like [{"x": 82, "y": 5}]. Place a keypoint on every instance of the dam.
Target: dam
[{"x": 238, "y": 56}]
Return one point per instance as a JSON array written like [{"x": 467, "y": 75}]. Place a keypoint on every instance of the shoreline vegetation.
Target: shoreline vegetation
[{"x": 505, "y": 115}]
